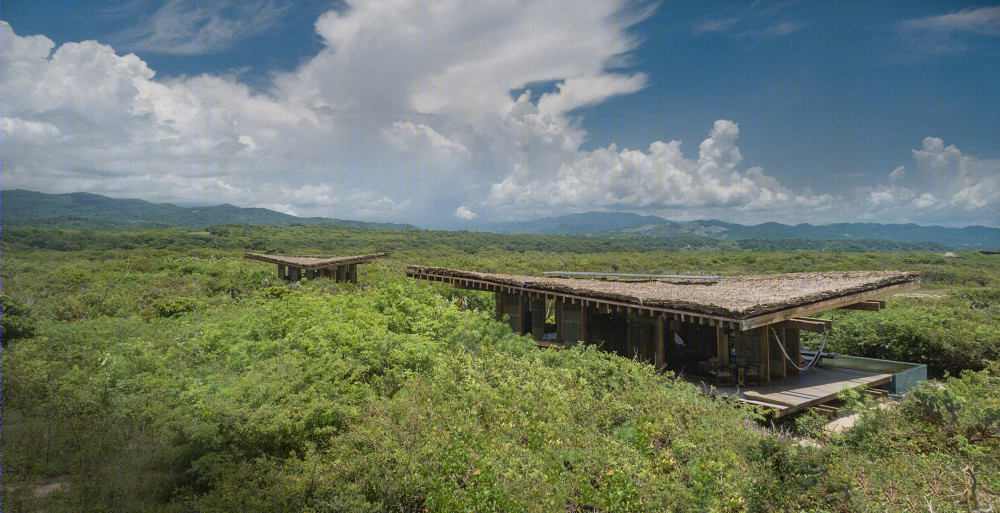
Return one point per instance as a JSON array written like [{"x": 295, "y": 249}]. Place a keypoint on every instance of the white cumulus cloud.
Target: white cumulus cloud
[
  {"x": 463, "y": 212},
  {"x": 661, "y": 178},
  {"x": 942, "y": 184}
]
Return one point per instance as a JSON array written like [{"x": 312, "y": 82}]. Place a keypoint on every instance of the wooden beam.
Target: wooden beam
[
  {"x": 867, "y": 306},
  {"x": 801, "y": 323},
  {"x": 830, "y": 304}
]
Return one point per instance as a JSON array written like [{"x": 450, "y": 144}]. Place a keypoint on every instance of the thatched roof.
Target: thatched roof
[
  {"x": 314, "y": 262},
  {"x": 733, "y": 297}
]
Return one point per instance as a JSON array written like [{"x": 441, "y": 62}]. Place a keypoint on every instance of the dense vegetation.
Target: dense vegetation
[
  {"x": 325, "y": 239},
  {"x": 159, "y": 371}
]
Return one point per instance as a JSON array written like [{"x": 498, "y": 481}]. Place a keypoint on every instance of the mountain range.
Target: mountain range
[
  {"x": 623, "y": 224},
  {"x": 84, "y": 210},
  {"x": 81, "y": 210}
]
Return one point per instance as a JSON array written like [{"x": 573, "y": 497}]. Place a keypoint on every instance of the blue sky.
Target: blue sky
[{"x": 448, "y": 113}]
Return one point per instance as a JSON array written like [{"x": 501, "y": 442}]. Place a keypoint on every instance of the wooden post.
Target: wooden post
[
  {"x": 794, "y": 346},
  {"x": 341, "y": 273},
  {"x": 765, "y": 352},
  {"x": 784, "y": 361},
  {"x": 723, "y": 341},
  {"x": 281, "y": 272},
  {"x": 522, "y": 305},
  {"x": 558, "y": 304},
  {"x": 352, "y": 273},
  {"x": 661, "y": 335},
  {"x": 538, "y": 317},
  {"x": 583, "y": 321},
  {"x": 295, "y": 273},
  {"x": 498, "y": 305},
  {"x": 310, "y": 274}
]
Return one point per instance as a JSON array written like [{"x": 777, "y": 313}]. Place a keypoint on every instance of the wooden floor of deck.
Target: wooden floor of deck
[
  {"x": 782, "y": 396},
  {"x": 817, "y": 385}
]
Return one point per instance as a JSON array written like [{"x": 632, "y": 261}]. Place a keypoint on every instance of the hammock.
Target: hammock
[{"x": 794, "y": 364}]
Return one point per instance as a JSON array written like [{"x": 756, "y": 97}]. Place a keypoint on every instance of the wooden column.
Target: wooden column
[
  {"x": 295, "y": 273},
  {"x": 661, "y": 335},
  {"x": 281, "y": 272},
  {"x": 784, "y": 361},
  {"x": 498, "y": 305},
  {"x": 537, "y": 317},
  {"x": 522, "y": 307},
  {"x": 342, "y": 273},
  {"x": 794, "y": 346},
  {"x": 723, "y": 343},
  {"x": 310, "y": 274},
  {"x": 352, "y": 273},
  {"x": 765, "y": 352},
  {"x": 558, "y": 304},
  {"x": 583, "y": 321}
]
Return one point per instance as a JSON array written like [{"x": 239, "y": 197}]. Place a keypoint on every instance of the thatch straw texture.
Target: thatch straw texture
[
  {"x": 735, "y": 297},
  {"x": 314, "y": 263}
]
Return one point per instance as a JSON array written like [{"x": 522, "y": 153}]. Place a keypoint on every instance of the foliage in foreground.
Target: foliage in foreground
[{"x": 158, "y": 381}]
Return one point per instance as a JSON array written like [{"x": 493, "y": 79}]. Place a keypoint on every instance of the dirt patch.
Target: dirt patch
[{"x": 54, "y": 484}]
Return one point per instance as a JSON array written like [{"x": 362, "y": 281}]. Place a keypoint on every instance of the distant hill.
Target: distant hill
[
  {"x": 84, "y": 210},
  {"x": 617, "y": 223},
  {"x": 590, "y": 223},
  {"x": 91, "y": 211}
]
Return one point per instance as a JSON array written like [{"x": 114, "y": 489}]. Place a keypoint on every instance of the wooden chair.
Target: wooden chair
[
  {"x": 752, "y": 374},
  {"x": 745, "y": 372},
  {"x": 719, "y": 372}
]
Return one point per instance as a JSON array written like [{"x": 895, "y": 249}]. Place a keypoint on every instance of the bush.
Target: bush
[
  {"x": 172, "y": 307},
  {"x": 948, "y": 337},
  {"x": 15, "y": 320}
]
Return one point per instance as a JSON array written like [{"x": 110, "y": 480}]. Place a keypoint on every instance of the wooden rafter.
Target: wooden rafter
[
  {"x": 800, "y": 323},
  {"x": 868, "y": 306}
]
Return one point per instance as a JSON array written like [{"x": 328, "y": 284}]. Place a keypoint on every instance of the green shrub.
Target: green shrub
[
  {"x": 15, "y": 319},
  {"x": 172, "y": 307}
]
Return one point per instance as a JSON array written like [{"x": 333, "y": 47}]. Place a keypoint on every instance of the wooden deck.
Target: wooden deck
[
  {"x": 782, "y": 396},
  {"x": 815, "y": 386}
]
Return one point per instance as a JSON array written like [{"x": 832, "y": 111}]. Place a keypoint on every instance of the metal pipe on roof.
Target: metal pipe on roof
[{"x": 631, "y": 275}]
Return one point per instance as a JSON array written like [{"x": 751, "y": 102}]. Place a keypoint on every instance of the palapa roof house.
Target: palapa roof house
[
  {"x": 740, "y": 330},
  {"x": 341, "y": 269}
]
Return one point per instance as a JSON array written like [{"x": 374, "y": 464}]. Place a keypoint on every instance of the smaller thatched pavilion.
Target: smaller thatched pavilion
[{"x": 339, "y": 269}]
